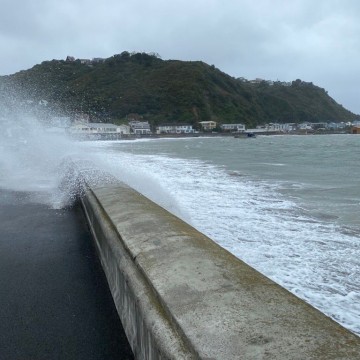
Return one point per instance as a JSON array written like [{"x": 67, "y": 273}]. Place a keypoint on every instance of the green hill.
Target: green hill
[{"x": 170, "y": 91}]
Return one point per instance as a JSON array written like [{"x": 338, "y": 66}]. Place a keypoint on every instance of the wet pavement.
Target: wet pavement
[{"x": 54, "y": 299}]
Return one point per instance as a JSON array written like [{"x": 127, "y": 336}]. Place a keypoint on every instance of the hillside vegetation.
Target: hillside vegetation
[{"x": 170, "y": 91}]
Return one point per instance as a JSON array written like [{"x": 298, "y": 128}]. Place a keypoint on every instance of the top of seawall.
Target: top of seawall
[{"x": 213, "y": 305}]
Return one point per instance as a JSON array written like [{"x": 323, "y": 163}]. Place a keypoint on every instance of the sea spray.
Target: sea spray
[
  {"x": 48, "y": 165},
  {"x": 40, "y": 159},
  {"x": 133, "y": 173},
  {"x": 30, "y": 155},
  {"x": 309, "y": 255}
]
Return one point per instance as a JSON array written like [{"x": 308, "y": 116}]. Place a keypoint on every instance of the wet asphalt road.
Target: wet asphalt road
[{"x": 54, "y": 299}]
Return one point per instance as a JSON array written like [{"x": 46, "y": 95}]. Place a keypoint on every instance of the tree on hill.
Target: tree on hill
[{"x": 171, "y": 91}]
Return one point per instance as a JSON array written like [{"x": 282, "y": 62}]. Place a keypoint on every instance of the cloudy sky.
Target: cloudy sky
[{"x": 313, "y": 40}]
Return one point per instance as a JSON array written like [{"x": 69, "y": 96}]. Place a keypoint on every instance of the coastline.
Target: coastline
[
  {"x": 236, "y": 135},
  {"x": 210, "y": 134}
]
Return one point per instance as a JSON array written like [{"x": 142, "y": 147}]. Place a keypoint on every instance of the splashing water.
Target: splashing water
[
  {"x": 37, "y": 160},
  {"x": 30, "y": 157},
  {"x": 312, "y": 256},
  {"x": 40, "y": 160}
]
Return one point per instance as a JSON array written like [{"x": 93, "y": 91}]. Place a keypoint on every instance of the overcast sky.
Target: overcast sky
[{"x": 313, "y": 40}]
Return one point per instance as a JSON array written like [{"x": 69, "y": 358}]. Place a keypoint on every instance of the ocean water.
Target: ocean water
[{"x": 286, "y": 205}]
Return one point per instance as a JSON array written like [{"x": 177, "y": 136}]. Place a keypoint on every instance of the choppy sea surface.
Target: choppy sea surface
[{"x": 287, "y": 205}]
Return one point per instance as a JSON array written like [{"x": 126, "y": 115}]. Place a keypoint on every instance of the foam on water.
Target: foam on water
[
  {"x": 31, "y": 159},
  {"x": 311, "y": 257}
]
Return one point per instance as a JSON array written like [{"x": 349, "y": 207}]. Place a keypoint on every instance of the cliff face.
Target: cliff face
[{"x": 170, "y": 91}]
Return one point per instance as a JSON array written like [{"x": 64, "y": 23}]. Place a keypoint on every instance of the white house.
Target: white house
[
  {"x": 174, "y": 129},
  {"x": 273, "y": 127},
  {"x": 98, "y": 130},
  {"x": 124, "y": 129},
  {"x": 140, "y": 127},
  {"x": 288, "y": 127},
  {"x": 257, "y": 81},
  {"x": 208, "y": 125},
  {"x": 305, "y": 126},
  {"x": 233, "y": 127}
]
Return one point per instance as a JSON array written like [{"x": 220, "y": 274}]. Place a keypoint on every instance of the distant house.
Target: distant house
[
  {"x": 233, "y": 127},
  {"x": 288, "y": 127},
  {"x": 256, "y": 81},
  {"x": 355, "y": 129},
  {"x": 305, "y": 126},
  {"x": 273, "y": 127},
  {"x": 336, "y": 125},
  {"x": 174, "y": 129},
  {"x": 140, "y": 127},
  {"x": 85, "y": 61},
  {"x": 319, "y": 125},
  {"x": 98, "y": 130},
  {"x": 124, "y": 129},
  {"x": 98, "y": 60},
  {"x": 208, "y": 125}
]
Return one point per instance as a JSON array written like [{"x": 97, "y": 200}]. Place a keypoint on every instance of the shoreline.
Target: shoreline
[
  {"x": 104, "y": 137},
  {"x": 234, "y": 135}
]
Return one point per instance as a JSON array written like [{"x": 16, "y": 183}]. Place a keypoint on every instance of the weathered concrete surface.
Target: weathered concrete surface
[
  {"x": 181, "y": 296},
  {"x": 54, "y": 299}
]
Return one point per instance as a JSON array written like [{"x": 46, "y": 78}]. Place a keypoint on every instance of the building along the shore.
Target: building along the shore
[
  {"x": 174, "y": 129},
  {"x": 233, "y": 127},
  {"x": 140, "y": 127},
  {"x": 97, "y": 131},
  {"x": 208, "y": 125}
]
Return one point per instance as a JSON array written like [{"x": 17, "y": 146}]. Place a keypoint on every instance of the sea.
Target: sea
[{"x": 287, "y": 205}]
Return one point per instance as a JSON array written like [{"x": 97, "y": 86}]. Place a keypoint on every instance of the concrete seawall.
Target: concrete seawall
[{"x": 181, "y": 296}]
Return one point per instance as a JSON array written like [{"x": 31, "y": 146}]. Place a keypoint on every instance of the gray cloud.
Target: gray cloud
[{"x": 272, "y": 39}]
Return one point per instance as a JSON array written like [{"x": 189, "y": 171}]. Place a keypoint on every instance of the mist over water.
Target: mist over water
[
  {"x": 31, "y": 157},
  {"x": 38, "y": 159}
]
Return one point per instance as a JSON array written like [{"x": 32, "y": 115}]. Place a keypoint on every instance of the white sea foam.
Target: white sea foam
[{"x": 316, "y": 260}]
